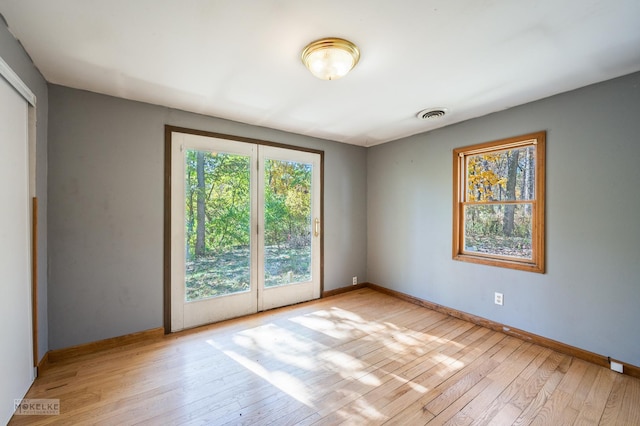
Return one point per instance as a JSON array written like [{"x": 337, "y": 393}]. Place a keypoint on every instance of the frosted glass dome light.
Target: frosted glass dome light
[{"x": 330, "y": 58}]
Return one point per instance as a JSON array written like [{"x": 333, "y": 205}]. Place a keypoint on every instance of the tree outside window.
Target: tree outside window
[{"x": 499, "y": 203}]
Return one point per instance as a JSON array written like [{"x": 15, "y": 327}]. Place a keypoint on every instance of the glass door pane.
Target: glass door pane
[
  {"x": 217, "y": 224},
  {"x": 213, "y": 230},
  {"x": 287, "y": 222}
]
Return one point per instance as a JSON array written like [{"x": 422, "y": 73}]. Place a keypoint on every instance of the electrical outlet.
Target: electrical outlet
[
  {"x": 498, "y": 299},
  {"x": 355, "y": 280},
  {"x": 616, "y": 366}
]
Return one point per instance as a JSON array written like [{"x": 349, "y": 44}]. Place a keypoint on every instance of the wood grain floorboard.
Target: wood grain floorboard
[{"x": 357, "y": 358}]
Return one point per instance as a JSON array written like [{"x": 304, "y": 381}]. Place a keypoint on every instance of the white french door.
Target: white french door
[
  {"x": 289, "y": 249},
  {"x": 245, "y": 228}
]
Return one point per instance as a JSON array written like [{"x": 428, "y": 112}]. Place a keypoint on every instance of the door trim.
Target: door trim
[
  {"x": 168, "y": 130},
  {"x": 14, "y": 80},
  {"x": 34, "y": 277}
]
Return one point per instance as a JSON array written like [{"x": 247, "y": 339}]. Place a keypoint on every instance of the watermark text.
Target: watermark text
[{"x": 36, "y": 407}]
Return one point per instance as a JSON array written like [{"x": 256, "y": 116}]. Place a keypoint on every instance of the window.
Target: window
[{"x": 498, "y": 212}]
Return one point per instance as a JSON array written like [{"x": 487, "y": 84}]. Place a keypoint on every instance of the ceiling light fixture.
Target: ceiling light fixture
[{"x": 330, "y": 58}]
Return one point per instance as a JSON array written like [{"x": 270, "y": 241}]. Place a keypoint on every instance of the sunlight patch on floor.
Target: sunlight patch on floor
[
  {"x": 341, "y": 362},
  {"x": 338, "y": 323},
  {"x": 361, "y": 413},
  {"x": 453, "y": 363},
  {"x": 369, "y": 379},
  {"x": 281, "y": 380},
  {"x": 280, "y": 344},
  {"x": 277, "y": 355}
]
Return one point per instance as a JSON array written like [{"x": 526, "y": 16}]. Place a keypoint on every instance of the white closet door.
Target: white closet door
[{"x": 16, "y": 353}]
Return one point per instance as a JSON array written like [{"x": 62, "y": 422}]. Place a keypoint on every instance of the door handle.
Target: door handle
[{"x": 317, "y": 228}]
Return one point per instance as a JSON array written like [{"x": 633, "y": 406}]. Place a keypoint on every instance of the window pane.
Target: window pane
[
  {"x": 501, "y": 176},
  {"x": 500, "y": 229},
  {"x": 287, "y": 222},
  {"x": 217, "y": 224}
]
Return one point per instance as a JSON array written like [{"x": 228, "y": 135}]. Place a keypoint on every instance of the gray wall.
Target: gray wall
[
  {"x": 106, "y": 169},
  {"x": 15, "y": 56},
  {"x": 388, "y": 216},
  {"x": 590, "y": 295}
]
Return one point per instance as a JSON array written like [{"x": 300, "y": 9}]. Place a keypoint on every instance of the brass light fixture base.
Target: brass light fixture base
[{"x": 330, "y": 58}]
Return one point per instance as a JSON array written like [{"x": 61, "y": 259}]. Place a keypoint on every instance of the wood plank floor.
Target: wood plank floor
[{"x": 357, "y": 358}]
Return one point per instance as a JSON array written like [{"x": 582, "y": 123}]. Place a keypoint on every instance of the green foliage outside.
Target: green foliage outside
[
  {"x": 224, "y": 194},
  {"x": 484, "y": 231},
  {"x": 287, "y": 222},
  {"x": 218, "y": 220},
  {"x": 500, "y": 186},
  {"x": 228, "y": 272}
]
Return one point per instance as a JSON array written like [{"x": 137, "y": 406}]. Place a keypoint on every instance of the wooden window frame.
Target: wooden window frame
[{"x": 537, "y": 262}]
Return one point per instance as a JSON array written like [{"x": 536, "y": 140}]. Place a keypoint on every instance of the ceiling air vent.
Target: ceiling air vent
[{"x": 431, "y": 113}]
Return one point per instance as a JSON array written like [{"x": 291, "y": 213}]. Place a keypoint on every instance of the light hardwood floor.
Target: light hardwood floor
[{"x": 357, "y": 358}]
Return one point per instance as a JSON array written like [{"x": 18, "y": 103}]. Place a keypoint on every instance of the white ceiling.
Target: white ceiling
[{"x": 240, "y": 59}]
